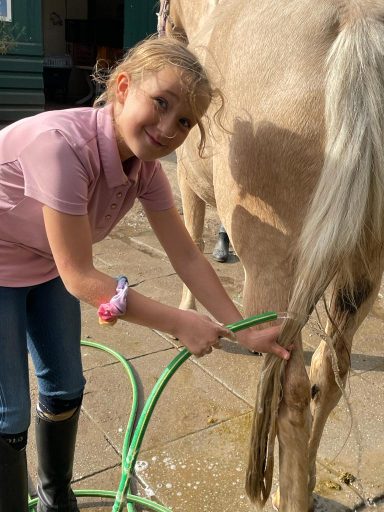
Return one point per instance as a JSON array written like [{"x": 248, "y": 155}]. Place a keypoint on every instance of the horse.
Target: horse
[{"x": 298, "y": 182}]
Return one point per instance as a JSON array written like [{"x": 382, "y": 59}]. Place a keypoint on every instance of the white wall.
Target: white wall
[{"x": 54, "y": 14}]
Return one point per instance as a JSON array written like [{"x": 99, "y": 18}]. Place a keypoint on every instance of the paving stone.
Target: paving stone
[
  {"x": 190, "y": 402},
  {"x": 125, "y": 338}
]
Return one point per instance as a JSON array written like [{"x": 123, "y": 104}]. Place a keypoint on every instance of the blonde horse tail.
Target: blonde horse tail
[{"x": 345, "y": 222}]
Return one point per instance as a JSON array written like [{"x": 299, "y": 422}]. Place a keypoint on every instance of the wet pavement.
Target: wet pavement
[{"x": 194, "y": 454}]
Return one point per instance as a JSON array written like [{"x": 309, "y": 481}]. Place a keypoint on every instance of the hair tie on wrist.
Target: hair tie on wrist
[{"x": 117, "y": 306}]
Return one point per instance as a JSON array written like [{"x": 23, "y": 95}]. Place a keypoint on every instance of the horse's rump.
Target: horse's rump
[{"x": 343, "y": 233}]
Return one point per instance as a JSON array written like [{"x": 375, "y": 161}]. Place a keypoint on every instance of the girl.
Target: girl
[{"x": 66, "y": 178}]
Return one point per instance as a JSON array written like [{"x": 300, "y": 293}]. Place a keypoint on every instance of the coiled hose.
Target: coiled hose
[{"x": 134, "y": 437}]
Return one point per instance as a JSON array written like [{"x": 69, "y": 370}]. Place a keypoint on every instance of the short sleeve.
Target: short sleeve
[
  {"x": 54, "y": 175},
  {"x": 157, "y": 193}
]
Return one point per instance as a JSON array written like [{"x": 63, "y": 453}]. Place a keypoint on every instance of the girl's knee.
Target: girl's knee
[
  {"x": 54, "y": 408},
  {"x": 15, "y": 415}
]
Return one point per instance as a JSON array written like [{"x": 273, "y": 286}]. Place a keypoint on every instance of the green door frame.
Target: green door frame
[{"x": 21, "y": 68}]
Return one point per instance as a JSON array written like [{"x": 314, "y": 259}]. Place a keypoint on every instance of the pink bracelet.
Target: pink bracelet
[{"x": 117, "y": 306}]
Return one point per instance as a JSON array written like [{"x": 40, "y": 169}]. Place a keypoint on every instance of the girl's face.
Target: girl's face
[{"x": 152, "y": 116}]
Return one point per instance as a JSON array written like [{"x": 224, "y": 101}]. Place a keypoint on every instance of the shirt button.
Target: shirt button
[
  {"x": 108, "y": 217},
  {"x": 113, "y": 206},
  {"x": 119, "y": 194}
]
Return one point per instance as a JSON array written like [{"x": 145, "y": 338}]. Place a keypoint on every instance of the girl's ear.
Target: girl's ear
[{"x": 122, "y": 86}]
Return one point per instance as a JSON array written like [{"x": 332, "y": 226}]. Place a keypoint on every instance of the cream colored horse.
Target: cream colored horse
[{"x": 304, "y": 83}]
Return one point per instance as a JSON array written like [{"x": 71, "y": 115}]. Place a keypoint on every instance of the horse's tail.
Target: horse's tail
[{"x": 346, "y": 217}]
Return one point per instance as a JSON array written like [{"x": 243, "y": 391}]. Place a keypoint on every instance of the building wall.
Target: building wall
[{"x": 43, "y": 24}]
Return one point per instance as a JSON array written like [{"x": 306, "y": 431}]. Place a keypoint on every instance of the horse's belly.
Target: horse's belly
[
  {"x": 196, "y": 171},
  {"x": 202, "y": 185}
]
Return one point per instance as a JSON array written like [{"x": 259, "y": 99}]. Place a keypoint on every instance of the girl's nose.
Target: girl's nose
[{"x": 167, "y": 127}]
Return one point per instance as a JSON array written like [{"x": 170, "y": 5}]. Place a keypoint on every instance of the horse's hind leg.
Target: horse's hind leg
[
  {"x": 294, "y": 426},
  {"x": 194, "y": 214},
  {"x": 325, "y": 389}
]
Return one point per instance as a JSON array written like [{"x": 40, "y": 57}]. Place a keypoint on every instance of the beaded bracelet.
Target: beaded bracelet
[{"x": 109, "y": 312}]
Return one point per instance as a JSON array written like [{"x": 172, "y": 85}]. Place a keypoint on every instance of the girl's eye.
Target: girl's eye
[
  {"x": 161, "y": 102},
  {"x": 185, "y": 122}
]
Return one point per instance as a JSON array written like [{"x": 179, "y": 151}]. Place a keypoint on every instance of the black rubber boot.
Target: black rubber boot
[
  {"x": 13, "y": 479},
  {"x": 55, "y": 442},
  {"x": 221, "y": 251}
]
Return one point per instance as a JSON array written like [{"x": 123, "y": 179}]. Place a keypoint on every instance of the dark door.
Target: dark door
[{"x": 140, "y": 20}]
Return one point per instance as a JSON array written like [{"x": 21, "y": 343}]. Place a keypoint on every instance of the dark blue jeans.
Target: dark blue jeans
[{"x": 45, "y": 320}]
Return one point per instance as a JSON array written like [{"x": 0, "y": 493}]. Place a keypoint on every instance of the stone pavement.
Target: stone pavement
[{"x": 194, "y": 453}]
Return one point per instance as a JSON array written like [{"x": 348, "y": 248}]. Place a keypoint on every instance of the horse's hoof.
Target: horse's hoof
[
  {"x": 276, "y": 502},
  {"x": 221, "y": 251}
]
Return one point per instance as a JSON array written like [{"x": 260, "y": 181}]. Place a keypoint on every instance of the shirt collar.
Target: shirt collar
[{"x": 109, "y": 152}]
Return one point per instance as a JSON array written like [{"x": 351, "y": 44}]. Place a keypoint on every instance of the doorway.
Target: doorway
[{"x": 77, "y": 34}]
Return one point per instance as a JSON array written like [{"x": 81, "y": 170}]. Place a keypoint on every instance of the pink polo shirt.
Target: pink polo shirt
[{"x": 69, "y": 161}]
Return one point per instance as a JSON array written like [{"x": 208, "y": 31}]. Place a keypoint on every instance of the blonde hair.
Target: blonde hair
[{"x": 151, "y": 56}]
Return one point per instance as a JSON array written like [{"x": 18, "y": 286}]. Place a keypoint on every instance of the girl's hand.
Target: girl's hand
[
  {"x": 264, "y": 340},
  {"x": 198, "y": 332}
]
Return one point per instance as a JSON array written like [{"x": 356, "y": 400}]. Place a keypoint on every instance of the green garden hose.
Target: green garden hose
[{"x": 133, "y": 438}]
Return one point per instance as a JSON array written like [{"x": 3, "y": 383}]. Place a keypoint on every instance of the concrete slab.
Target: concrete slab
[
  {"x": 203, "y": 471},
  {"x": 354, "y": 446},
  {"x": 191, "y": 401},
  {"x": 128, "y": 339},
  {"x": 119, "y": 257}
]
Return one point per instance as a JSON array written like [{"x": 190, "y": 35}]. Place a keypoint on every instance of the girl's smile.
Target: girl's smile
[
  {"x": 153, "y": 116},
  {"x": 154, "y": 140}
]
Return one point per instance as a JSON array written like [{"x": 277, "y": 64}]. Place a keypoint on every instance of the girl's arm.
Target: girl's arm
[
  {"x": 197, "y": 273},
  {"x": 70, "y": 240},
  {"x": 191, "y": 265}
]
